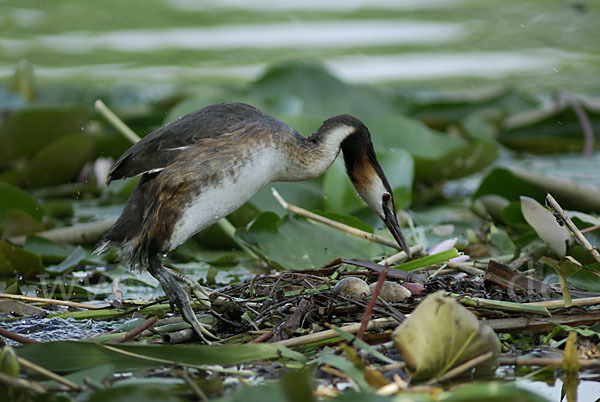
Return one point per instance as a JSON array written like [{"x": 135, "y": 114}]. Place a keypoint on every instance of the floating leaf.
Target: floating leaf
[
  {"x": 134, "y": 392},
  {"x": 58, "y": 162},
  {"x": 71, "y": 261},
  {"x": 14, "y": 198},
  {"x": 300, "y": 87},
  {"x": 19, "y": 222},
  {"x": 24, "y": 132},
  {"x": 550, "y": 128},
  {"x": 69, "y": 356},
  {"x": 15, "y": 259},
  {"x": 296, "y": 243},
  {"x": 545, "y": 225},
  {"x": 437, "y": 156},
  {"x": 441, "y": 334},
  {"x": 514, "y": 183},
  {"x": 503, "y": 182}
]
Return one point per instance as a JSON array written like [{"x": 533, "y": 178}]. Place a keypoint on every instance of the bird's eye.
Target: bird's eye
[{"x": 386, "y": 197}]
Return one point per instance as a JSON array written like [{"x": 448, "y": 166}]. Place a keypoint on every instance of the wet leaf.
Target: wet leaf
[
  {"x": 16, "y": 199},
  {"x": 48, "y": 250},
  {"x": 296, "y": 243},
  {"x": 492, "y": 391},
  {"x": 300, "y": 87},
  {"x": 307, "y": 194},
  {"x": 440, "y": 334},
  {"x": 297, "y": 386},
  {"x": 69, "y": 356},
  {"x": 437, "y": 156},
  {"x": 58, "y": 162},
  {"x": 514, "y": 183},
  {"x": 15, "y": 259},
  {"x": 19, "y": 223},
  {"x": 73, "y": 260},
  {"x": 24, "y": 132},
  {"x": 505, "y": 183},
  {"x": 550, "y": 128},
  {"x": 584, "y": 279},
  {"x": 134, "y": 392},
  {"x": 545, "y": 225}
]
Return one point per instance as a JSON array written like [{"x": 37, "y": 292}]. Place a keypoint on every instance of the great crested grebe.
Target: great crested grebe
[{"x": 205, "y": 165}]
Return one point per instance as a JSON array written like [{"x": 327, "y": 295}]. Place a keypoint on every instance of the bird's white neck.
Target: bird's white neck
[{"x": 316, "y": 154}]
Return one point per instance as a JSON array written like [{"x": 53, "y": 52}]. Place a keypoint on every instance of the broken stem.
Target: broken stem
[
  {"x": 461, "y": 368},
  {"x": 340, "y": 226},
  {"x": 330, "y": 333},
  {"x": 50, "y": 301},
  {"x": 116, "y": 121},
  {"x": 560, "y": 214},
  {"x": 26, "y": 364}
]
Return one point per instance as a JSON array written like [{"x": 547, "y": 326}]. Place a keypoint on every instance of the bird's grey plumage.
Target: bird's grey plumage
[
  {"x": 233, "y": 148},
  {"x": 160, "y": 147}
]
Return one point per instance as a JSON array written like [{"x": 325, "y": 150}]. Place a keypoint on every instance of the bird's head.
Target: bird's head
[{"x": 370, "y": 182}]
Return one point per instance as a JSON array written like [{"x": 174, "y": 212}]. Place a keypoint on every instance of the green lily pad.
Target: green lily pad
[
  {"x": 505, "y": 183},
  {"x": 24, "y": 132},
  {"x": 15, "y": 259},
  {"x": 58, "y": 162},
  {"x": 299, "y": 87},
  {"x": 69, "y": 356},
  {"x": 295, "y": 243},
  {"x": 13, "y": 198},
  {"x": 437, "y": 156},
  {"x": 551, "y": 128}
]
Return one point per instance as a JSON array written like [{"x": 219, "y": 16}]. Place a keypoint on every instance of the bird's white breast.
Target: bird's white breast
[{"x": 218, "y": 200}]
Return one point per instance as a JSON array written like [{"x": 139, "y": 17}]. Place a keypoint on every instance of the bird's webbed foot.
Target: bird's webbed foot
[
  {"x": 192, "y": 287},
  {"x": 178, "y": 296}
]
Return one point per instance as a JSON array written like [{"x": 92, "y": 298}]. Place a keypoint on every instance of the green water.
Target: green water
[{"x": 538, "y": 45}]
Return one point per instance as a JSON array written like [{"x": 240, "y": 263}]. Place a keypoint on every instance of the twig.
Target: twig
[
  {"x": 192, "y": 384},
  {"x": 51, "y": 301},
  {"x": 590, "y": 229},
  {"x": 466, "y": 267},
  {"x": 540, "y": 324},
  {"x": 115, "y": 121},
  {"x": 545, "y": 361},
  {"x": 79, "y": 234},
  {"x": 401, "y": 256},
  {"x": 560, "y": 214},
  {"x": 16, "y": 337},
  {"x": 340, "y": 226},
  {"x": 586, "y": 301},
  {"x": 374, "y": 297},
  {"x": 26, "y": 364},
  {"x": 461, "y": 368},
  {"x": 330, "y": 333},
  {"x": 135, "y": 331},
  {"x": 17, "y": 382},
  {"x": 262, "y": 338}
]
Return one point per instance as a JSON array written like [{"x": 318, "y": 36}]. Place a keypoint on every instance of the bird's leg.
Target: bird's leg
[
  {"x": 192, "y": 287},
  {"x": 177, "y": 296}
]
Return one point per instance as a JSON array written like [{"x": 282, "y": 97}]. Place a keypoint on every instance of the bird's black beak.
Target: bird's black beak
[{"x": 391, "y": 222}]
